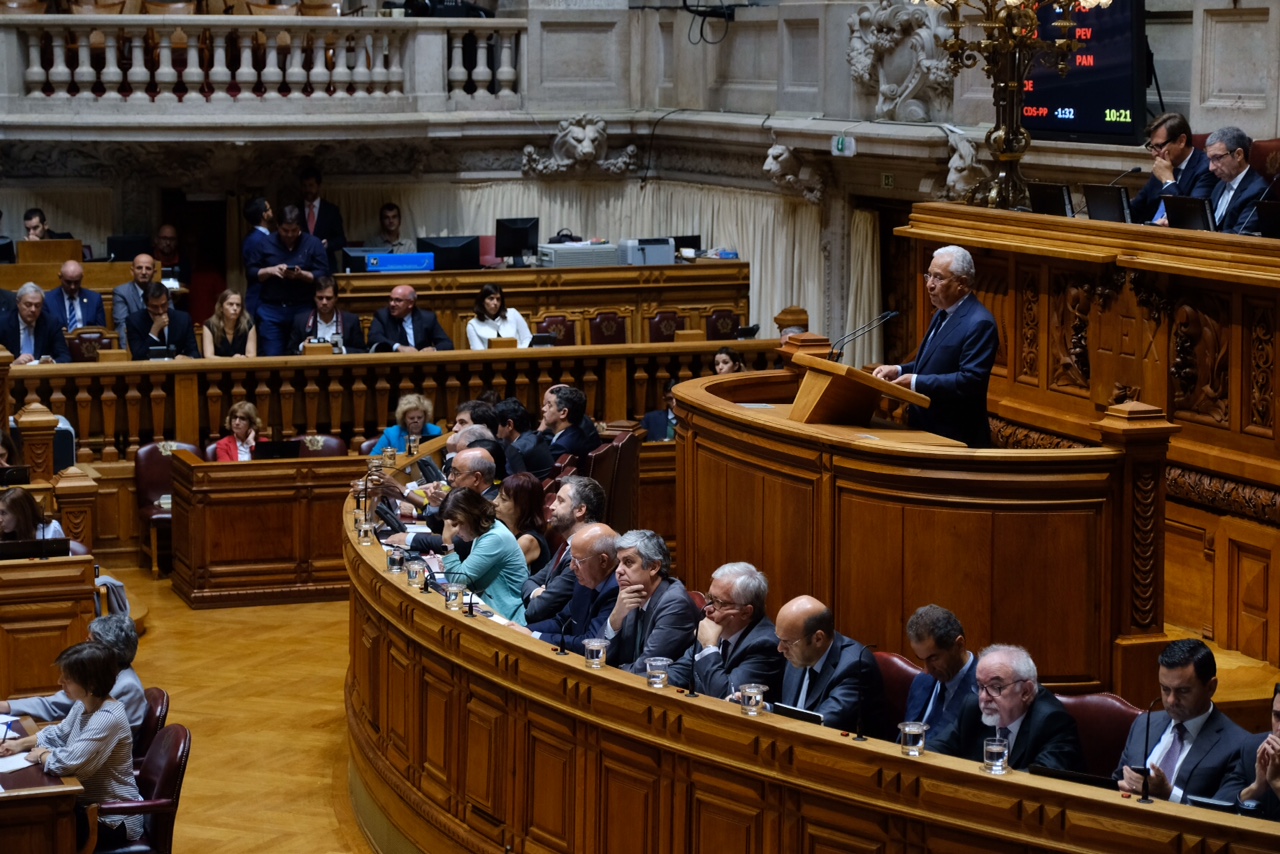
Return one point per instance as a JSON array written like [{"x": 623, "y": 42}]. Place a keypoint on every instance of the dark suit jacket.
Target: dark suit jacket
[
  {"x": 427, "y": 332},
  {"x": 572, "y": 441},
  {"x": 47, "y": 340},
  {"x": 655, "y": 423},
  {"x": 1047, "y": 736},
  {"x": 921, "y": 690},
  {"x": 671, "y": 621},
  {"x": 125, "y": 300},
  {"x": 304, "y": 327},
  {"x": 583, "y": 617},
  {"x": 181, "y": 335},
  {"x": 954, "y": 374},
  {"x": 1240, "y": 212},
  {"x": 849, "y": 686},
  {"x": 559, "y": 583},
  {"x": 1208, "y": 760},
  {"x": 254, "y": 243},
  {"x": 328, "y": 226},
  {"x": 89, "y": 304},
  {"x": 535, "y": 450},
  {"x": 753, "y": 658},
  {"x": 8, "y": 302},
  {"x": 1242, "y": 773},
  {"x": 1195, "y": 181}
]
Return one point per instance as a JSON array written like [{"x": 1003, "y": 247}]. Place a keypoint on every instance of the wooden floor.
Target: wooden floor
[{"x": 262, "y": 691}]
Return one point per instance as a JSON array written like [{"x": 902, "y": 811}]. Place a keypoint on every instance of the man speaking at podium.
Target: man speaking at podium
[{"x": 953, "y": 364}]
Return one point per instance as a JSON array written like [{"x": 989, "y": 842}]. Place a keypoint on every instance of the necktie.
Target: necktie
[
  {"x": 639, "y": 648},
  {"x": 939, "y": 317},
  {"x": 1177, "y": 176},
  {"x": 28, "y": 342},
  {"x": 1168, "y": 764},
  {"x": 311, "y": 217},
  {"x": 939, "y": 703},
  {"x": 804, "y": 689},
  {"x": 1223, "y": 203},
  {"x": 724, "y": 651},
  {"x": 73, "y": 315},
  {"x": 1003, "y": 732}
]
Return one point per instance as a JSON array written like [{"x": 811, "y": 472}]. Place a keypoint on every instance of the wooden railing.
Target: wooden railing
[{"x": 118, "y": 407}]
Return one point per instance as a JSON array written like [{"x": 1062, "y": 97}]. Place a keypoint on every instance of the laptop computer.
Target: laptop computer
[
  {"x": 277, "y": 450},
  {"x": 1190, "y": 213},
  {"x": 1052, "y": 199},
  {"x": 1073, "y": 776},
  {"x": 797, "y": 714},
  {"x": 1106, "y": 203}
]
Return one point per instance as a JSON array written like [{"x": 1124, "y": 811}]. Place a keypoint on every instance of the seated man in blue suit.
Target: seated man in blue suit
[
  {"x": 28, "y": 333},
  {"x": 950, "y": 672},
  {"x": 595, "y": 591},
  {"x": 953, "y": 364},
  {"x": 1254, "y": 782},
  {"x": 1191, "y": 745},
  {"x": 70, "y": 306},
  {"x": 1177, "y": 169},
  {"x": 158, "y": 325},
  {"x": 736, "y": 644},
  {"x": 562, "y": 409},
  {"x": 660, "y": 425},
  {"x": 1234, "y": 200}
]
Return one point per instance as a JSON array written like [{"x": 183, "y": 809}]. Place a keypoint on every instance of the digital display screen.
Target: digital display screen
[{"x": 1102, "y": 98}]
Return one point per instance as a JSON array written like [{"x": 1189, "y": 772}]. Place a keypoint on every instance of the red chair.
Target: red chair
[
  {"x": 366, "y": 447},
  {"x": 1104, "y": 721},
  {"x": 321, "y": 446},
  {"x": 624, "y": 499},
  {"x": 607, "y": 327},
  {"x": 153, "y": 479},
  {"x": 699, "y": 599},
  {"x": 152, "y": 722},
  {"x": 723, "y": 325},
  {"x": 898, "y": 674},
  {"x": 601, "y": 465},
  {"x": 160, "y": 784},
  {"x": 664, "y": 325},
  {"x": 564, "y": 330},
  {"x": 566, "y": 465}
]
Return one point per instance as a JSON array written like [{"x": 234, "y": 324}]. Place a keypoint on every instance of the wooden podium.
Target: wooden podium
[{"x": 832, "y": 393}]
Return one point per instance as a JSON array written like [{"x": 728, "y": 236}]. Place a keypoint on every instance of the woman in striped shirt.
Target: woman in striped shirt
[{"x": 92, "y": 743}]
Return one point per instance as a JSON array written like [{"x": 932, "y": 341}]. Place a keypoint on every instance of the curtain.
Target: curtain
[{"x": 864, "y": 288}]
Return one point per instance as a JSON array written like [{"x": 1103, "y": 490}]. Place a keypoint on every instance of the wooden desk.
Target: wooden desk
[
  {"x": 45, "y": 607},
  {"x": 37, "y": 810}
]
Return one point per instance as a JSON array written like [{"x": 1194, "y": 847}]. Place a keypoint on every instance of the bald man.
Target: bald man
[
  {"x": 402, "y": 327},
  {"x": 472, "y": 469},
  {"x": 132, "y": 296},
  {"x": 595, "y": 591},
  {"x": 69, "y": 306},
  {"x": 828, "y": 673}
]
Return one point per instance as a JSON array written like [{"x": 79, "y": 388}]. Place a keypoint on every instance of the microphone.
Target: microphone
[
  {"x": 1261, "y": 198},
  {"x": 1145, "y": 771},
  {"x": 1085, "y": 207},
  {"x": 836, "y": 349}
]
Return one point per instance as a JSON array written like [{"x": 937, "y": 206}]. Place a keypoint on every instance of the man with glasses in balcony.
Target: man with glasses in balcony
[
  {"x": 953, "y": 364},
  {"x": 736, "y": 644},
  {"x": 1177, "y": 169},
  {"x": 654, "y": 616},
  {"x": 1234, "y": 200},
  {"x": 286, "y": 265},
  {"x": 1012, "y": 705},
  {"x": 594, "y": 561},
  {"x": 402, "y": 327},
  {"x": 829, "y": 674}
]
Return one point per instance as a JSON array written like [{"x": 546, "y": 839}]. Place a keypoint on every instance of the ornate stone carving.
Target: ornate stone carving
[
  {"x": 581, "y": 144},
  {"x": 787, "y": 174},
  {"x": 1006, "y": 434},
  {"x": 1030, "y": 357},
  {"x": 1200, "y": 341},
  {"x": 895, "y": 54},
  {"x": 1146, "y": 527},
  {"x": 963, "y": 169},
  {"x": 1262, "y": 360},
  {"x": 1071, "y": 300},
  {"x": 1218, "y": 493}
]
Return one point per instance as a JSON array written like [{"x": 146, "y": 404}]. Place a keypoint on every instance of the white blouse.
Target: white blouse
[{"x": 479, "y": 332}]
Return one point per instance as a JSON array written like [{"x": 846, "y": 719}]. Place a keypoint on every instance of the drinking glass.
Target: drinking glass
[
  {"x": 912, "y": 737},
  {"x": 413, "y": 445},
  {"x": 366, "y": 533},
  {"x": 395, "y": 561},
  {"x": 453, "y": 593},
  {"x": 414, "y": 571},
  {"x": 995, "y": 755},
  {"x": 388, "y": 457},
  {"x": 751, "y": 696},
  {"x": 657, "y": 670},
  {"x": 594, "y": 652}
]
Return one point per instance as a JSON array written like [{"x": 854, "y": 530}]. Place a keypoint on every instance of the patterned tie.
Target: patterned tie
[
  {"x": 1168, "y": 764},
  {"x": 73, "y": 315},
  {"x": 311, "y": 217}
]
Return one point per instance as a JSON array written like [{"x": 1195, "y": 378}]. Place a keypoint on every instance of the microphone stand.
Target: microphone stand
[
  {"x": 1146, "y": 769},
  {"x": 1261, "y": 199},
  {"x": 836, "y": 349}
]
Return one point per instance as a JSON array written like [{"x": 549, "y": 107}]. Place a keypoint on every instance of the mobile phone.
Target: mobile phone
[{"x": 293, "y": 269}]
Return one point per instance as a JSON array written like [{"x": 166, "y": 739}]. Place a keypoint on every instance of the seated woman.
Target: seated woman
[
  {"x": 244, "y": 424},
  {"x": 729, "y": 361},
  {"x": 413, "y": 418},
  {"x": 230, "y": 331},
  {"x": 21, "y": 519},
  {"x": 494, "y": 569},
  {"x": 92, "y": 743},
  {"x": 494, "y": 320},
  {"x": 519, "y": 507}
]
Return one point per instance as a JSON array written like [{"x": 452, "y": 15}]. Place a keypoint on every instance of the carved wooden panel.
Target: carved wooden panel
[
  {"x": 1248, "y": 588},
  {"x": 1127, "y": 358},
  {"x": 1200, "y": 359},
  {"x": 45, "y": 607},
  {"x": 720, "y": 824},
  {"x": 1260, "y": 367},
  {"x": 1189, "y": 536},
  {"x": 401, "y": 712},
  {"x": 484, "y": 759},
  {"x": 366, "y": 640},
  {"x": 824, "y": 828},
  {"x": 437, "y": 731},
  {"x": 1028, "y": 344},
  {"x": 630, "y": 787},
  {"x": 552, "y": 785},
  {"x": 1071, "y": 297},
  {"x": 991, "y": 286}
]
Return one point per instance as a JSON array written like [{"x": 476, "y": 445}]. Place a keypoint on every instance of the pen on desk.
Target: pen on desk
[{"x": 7, "y": 726}]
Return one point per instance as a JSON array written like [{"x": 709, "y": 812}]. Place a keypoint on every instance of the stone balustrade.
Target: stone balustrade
[{"x": 180, "y": 65}]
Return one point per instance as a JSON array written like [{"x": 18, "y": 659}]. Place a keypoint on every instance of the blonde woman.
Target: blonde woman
[
  {"x": 230, "y": 331},
  {"x": 413, "y": 418},
  {"x": 244, "y": 424}
]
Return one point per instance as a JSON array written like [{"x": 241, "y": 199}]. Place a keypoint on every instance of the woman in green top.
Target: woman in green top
[{"x": 495, "y": 569}]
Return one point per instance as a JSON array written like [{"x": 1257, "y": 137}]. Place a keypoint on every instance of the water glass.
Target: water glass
[
  {"x": 453, "y": 593},
  {"x": 388, "y": 457},
  {"x": 375, "y": 465},
  {"x": 395, "y": 561},
  {"x": 593, "y": 652},
  {"x": 414, "y": 571},
  {"x": 412, "y": 443},
  {"x": 912, "y": 737},
  {"x": 366, "y": 533},
  {"x": 751, "y": 696},
  {"x": 657, "y": 670},
  {"x": 995, "y": 755}
]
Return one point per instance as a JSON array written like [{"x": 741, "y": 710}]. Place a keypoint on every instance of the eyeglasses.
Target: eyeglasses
[
  {"x": 1218, "y": 158},
  {"x": 1156, "y": 147},
  {"x": 996, "y": 690},
  {"x": 936, "y": 277},
  {"x": 721, "y": 604},
  {"x": 454, "y": 474},
  {"x": 787, "y": 644}
]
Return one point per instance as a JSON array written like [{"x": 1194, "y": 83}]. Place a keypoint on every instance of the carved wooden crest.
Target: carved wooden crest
[
  {"x": 313, "y": 443},
  {"x": 167, "y": 448}
]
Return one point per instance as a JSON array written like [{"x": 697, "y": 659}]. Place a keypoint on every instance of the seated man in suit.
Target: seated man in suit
[
  {"x": 1254, "y": 780},
  {"x": 950, "y": 669},
  {"x": 159, "y": 325},
  {"x": 578, "y": 503},
  {"x": 28, "y": 333},
  {"x": 562, "y": 409},
  {"x": 654, "y": 616},
  {"x": 33, "y": 221},
  {"x": 660, "y": 425},
  {"x": 830, "y": 674},
  {"x": 594, "y": 593},
  {"x": 736, "y": 644},
  {"x": 473, "y": 469},
  {"x": 1234, "y": 200},
  {"x": 515, "y": 428},
  {"x": 131, "y": 297},
  {"x": 1012, "y": 705},
  {"x": 402, "y": 327},
  {"x": 1190, "y": 746},
  {"x": 1178, "y": 168},
  {"x": 71, "y": 306},
  {"x": 326, "y": 321}
]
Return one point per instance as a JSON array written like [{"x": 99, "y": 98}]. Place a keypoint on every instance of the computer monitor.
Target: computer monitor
[
  {"x": 514, "y": 238},
  {"x": 1190, "y": 213},
  {"x": 8, "y": 255},
  {"x": 354, "y": 259},
  {"x": 688, "y": 241},
  {"x": 25, "y": 549},
  {"x": 1106, "y": 203},
  {"x": 1052, "y": 199},
  {"x": 286, "y": 450},
  {"x": 126, "y": 247},
  {"x": 452, "y": 253}
]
